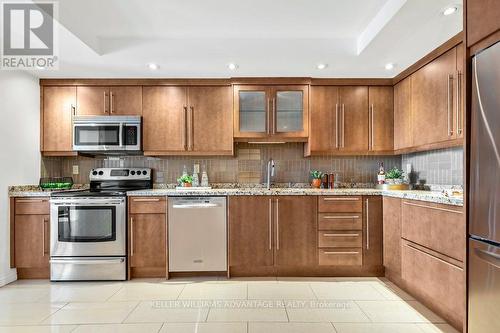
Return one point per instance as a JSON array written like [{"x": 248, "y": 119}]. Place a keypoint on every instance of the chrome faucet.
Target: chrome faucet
[{"x": 270, "y": 172}]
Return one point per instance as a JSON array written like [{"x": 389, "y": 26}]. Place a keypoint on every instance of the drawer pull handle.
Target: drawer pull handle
[
  {"x": 340, "y": 217},
  {"x": 147, "y": 200},
  {"x": 32, "y": 200},
  {"x": 341, "y": 235},
  {"x": 433, "y": 256},
  {"x": 435, "y": 208},
  {"x": 341, "y": 199},
  {"x": 341, "y": 252}
]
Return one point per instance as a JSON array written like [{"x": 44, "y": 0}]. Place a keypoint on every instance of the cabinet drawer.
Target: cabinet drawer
[
  {"x": 337, "y": 204},
  {"x": 340, "y": 239},
  {"x": 439, "y": 284},
  {"x": 329, "y": 221},
  {"x": 341, "y": 257},
  {"x": 438, "y": 227},
  {"x": 148, "y": 205},
  {"x": 32, "y": 206}
]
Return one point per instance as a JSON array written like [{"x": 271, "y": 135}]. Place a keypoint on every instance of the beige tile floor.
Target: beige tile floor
[{"x": 204, "y": 305}]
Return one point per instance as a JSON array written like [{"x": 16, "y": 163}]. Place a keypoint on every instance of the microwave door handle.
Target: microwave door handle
[{"x": 121, "y": 135}]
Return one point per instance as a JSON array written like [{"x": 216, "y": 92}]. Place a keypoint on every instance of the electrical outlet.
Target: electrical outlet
[
  {"x": 408, "y": 168},
  {"x": 196, "y": 168},
  {"x": 76, "y": 170}
]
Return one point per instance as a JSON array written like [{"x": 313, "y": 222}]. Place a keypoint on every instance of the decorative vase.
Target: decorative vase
[
  {"x": 316, "y": 183},
  {"x": 187, "y": 184}
]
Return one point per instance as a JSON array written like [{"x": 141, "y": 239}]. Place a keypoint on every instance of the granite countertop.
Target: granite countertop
[{"x": 429, "y": 196}]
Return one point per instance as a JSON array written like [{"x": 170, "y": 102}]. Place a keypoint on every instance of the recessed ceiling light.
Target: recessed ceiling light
[
  {"x": 153, "y": 66},
  {"x": 321, "y": 66},
  {"x": 232, "y": 66},
  {"x": 449, "y": 10},
  {"x": 389, "y": 66}
]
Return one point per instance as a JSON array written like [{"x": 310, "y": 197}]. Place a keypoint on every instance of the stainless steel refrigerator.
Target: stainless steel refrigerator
[{"x": 484, "y": 194}]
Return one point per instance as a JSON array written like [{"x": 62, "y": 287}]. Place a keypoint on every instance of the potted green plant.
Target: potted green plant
[
  {"x": 316, "y": 178},
  {"x": 185, "y": 180},
  {"x": 394, "y": 176}
]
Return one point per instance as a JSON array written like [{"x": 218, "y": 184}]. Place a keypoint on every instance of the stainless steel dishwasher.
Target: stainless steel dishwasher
[{"x": 197, "y": 234}]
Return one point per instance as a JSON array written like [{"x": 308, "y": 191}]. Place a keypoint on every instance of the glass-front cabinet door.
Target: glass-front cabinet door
[{"x": 269, "y": 112}]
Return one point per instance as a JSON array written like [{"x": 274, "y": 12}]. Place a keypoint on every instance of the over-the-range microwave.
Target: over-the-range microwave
[{"x": 107, "y": 134}]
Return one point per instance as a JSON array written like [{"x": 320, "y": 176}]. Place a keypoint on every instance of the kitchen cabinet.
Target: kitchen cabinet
[
  {"x": 353, "y": 118},
  {"x": 295, "y": 223},
  {"x": 103, "y": 101},
  {"x": 324, "y": 120},
  {"x": 372, "y": 235},
  {"x": 392, "y": 238},
  {"x": 431, "y": 100},
  {"x": 268, "y": 112},
  {"x": 459, "y": 93},
  {"x": 187, "y": 120},
  {"x": 437, "y": 227},
  {"x": 403, "y": 135},
  {"x": 350, "y": 120},
  {"x": 482, "y": 19},
  {"x": 381, "y": 119},
  {"x": 147, "y": 244},
  {"x": 267, "y": 234},
  {"x": 251, "y": 244},
  {"x": 31, "y": 237},
  {"x": 340, "y": 231},
  {"x": 424, "y": 253},
  {"x": 58, "y": 103},
  {"x": 436, "y": 281}
]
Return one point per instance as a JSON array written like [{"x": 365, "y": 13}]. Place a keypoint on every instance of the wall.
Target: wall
[
  {"x": 19, "y": 149},
  {"x": 436, "y": 167},
  {"x": 247, "y": 166}
]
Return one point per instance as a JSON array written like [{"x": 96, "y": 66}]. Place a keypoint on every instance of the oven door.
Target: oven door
[
  {"x": 97, "y": 137},
  {"x": 88, "y": 227}
]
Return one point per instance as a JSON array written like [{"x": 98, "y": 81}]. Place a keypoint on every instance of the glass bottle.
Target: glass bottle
[{"x": 381, "y": 173}]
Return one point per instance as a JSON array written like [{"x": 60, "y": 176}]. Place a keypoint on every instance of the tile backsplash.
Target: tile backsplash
[
  {"x": 438, "y": 167},
  {"x": 247, "y": 166}
]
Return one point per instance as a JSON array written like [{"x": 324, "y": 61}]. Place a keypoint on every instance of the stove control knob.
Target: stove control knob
[
  {"x": 144, "y": 172},
  {"x": 94, "y": 173},
  {"x": 132, "y": 172},
  {"x": 101, "y": 173}
]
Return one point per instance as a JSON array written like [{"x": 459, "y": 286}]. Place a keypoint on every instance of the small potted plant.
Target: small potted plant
[
  {"x": 394, "y": 176},
  {"x": 185, "y": 180},
  {"x": 316, "y": 178}
]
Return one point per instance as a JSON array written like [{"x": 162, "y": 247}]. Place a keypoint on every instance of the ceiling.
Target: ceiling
[{"x": 199, "y": 38}]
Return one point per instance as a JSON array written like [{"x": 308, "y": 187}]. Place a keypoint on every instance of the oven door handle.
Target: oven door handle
[
  {"x": 87, "y": 262},
  {"x": 85, "y": 202}
]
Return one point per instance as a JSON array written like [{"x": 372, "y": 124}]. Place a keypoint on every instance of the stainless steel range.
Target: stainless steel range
[{"x": 88, "y": 239}]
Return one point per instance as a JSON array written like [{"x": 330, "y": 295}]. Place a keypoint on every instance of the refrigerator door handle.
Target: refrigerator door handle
[{"x": 489, "y": 257}]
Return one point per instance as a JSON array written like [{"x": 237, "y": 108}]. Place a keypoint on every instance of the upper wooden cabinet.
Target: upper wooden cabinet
[
  {"x": 353, "y": 105},
  {"x": 432, "y": 100},
  {"x": 429, "y": 104},
  {"x": 187, "y": 120},
  {"x": 351, "y": 120},
  {"x": 102, "y": 101},
  {"x": 403, "y": 136},
  {"x": 56, "y": 123},
  {"x": 482, "y": 19},
  {"x": 381, "y": 118},
  {"x": 265, "y": 113}
]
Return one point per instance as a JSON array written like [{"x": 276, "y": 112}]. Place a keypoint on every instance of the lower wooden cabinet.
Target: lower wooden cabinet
[
  {"x": 269, "y": 235},
  {"x": 372, "y": 232},
  {"x": 147, "y": 247},
  {"x": 435, "y": 280},
  {"x": 392, "y": 238},
  {"x": 424, "y": 253},
  {"x": 30, "y": 237}
]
